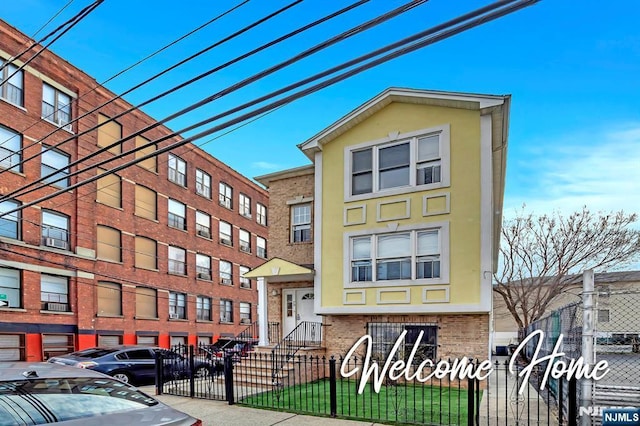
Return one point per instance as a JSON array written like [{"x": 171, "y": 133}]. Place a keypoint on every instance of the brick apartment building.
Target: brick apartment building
[{"x": 150, "y": 255}]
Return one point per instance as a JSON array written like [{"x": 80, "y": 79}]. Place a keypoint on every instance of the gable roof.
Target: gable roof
[{"x": 277, "y": 269}]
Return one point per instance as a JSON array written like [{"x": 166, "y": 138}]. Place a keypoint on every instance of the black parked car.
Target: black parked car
[{"x": 135, "y": 364}]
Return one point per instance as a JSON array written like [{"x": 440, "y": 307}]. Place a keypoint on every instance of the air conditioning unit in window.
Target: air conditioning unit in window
[
  {"x": 225, "y": 281},
  {"x": 245, "y": 321},
  {"x": 56, "y": 243},
  {"x": 58, "y": 307},
  {"x": 204, "y": 276},
  {"x": 204, "y": 233},
  {"x": 173, "y": 315},
  {"x": 225, "y": 241},
  {"x": 245, "y": 248}
]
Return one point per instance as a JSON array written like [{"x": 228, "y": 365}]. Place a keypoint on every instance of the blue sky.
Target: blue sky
[{"x": 571, "y": 67}]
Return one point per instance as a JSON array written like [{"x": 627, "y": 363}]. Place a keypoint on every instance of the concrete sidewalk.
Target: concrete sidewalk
[{"x": 223, "y": 414}]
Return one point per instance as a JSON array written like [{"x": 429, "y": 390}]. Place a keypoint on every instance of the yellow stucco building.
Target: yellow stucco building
[{"x": 399, "y": 217}]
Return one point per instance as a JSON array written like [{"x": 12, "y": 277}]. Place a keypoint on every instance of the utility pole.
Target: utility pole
[{"x": 588, "y": 332}]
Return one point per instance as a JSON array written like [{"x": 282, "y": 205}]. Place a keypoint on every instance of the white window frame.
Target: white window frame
[
  {"x": 203, "y": 183},
  {"x": 244, "y": 281},
  {"x": 225, "y": 237},
  {"x": 245, "y": 240},
  {"x": 412, "y": 138},
  {"x": 245, "y": 313},
  {"x": 58, "y": 299},
  {"x": 9, "y": 220},
  {"x": 203, "y": 266},
  {"x": 59, "y": 172},
  {"x": 177, "y": 305},
  {"x": 297, "y": 224},
  {"x": 225, "y": 195},
  {"x": 261, "y": 247},
  {"x": 413, "y": 229},
  {"x": 174, "y": 262},
  {"x": 261, "y": 214},
  {"x": 176, "y": 210},
  {"x": 226, "y": 311},
  {"x": 10, "y": 149},
  {"x": 15, "y": 83},
  {"x": 58, "y": 231},
  {"x": 203, "y": 224},
  {"x": 175, "y": 174},
  {"x": 59, "y": 107},
  {"x": 245, "y": 205},
  {"x": 225, "y": 271}
]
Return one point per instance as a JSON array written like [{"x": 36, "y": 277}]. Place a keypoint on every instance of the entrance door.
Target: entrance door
[{"x": 297, "y": 306}]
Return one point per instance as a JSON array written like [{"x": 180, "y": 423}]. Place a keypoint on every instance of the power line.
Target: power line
[
  {"x": 55, "y": 15},
  {"x": 340, "y": 37},
  {"x": 147, "y": 81},
  {"x": 119, "y": 73}
]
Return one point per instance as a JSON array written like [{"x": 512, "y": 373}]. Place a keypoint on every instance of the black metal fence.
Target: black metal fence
[{"x": 314, "y": 385}]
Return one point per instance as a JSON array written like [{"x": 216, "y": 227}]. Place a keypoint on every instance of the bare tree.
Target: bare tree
[{"x": 539, "y": 254}]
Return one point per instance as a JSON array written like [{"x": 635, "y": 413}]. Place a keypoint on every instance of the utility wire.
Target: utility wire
[
  {"x": 323, "y": 45},
  {"x": 130, "y": 67},
  {"x": 52, "y": 18},
  {"x": 69, "y": 24},
  {"x": 147, "y": 81},
  {"x": 495, "y": 12}
]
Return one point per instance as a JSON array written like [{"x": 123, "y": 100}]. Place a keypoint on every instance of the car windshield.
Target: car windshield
[
  {"x": 40, "y": 401},
  {"x": 94, "y": 352}
]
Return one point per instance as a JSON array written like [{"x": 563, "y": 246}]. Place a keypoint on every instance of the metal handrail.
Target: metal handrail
[{"x": 305, "y": 334}]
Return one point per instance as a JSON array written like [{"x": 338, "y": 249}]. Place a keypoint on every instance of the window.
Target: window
[
  {"x": 177, "y": 261},
  {"x": 245, "y": 205},
  {"x": 177, "y": 215},
  {"x": 9, "y": 224},
  {"x": 11, "y": 288},
  {"x": 177, "y": 305},
  {"x": 109, "y": 132},
  {"x": 244, "y": 282},
  {"x": 410, "y": 255},
  {"x": 109, "y": 190},
  {"x": 55, "y": 162},
  {"x": 245, "y": 313},
  {"x": 261, "y": 214},
  {"x": 203, "y": 266},
  {"x": 385, "y": 335},
  {"x": 10, "y": 146},
  {"x": 57, "y": 344},
  {"x": 226, "y": 275},
  {"x": 261, "y": 247},
  {"x": 177, "y": 170},
  {"x": 150, "y": 164},
  {"x": 145, "y": 205},
  {"x": 146, "y": 302},
  {"x": 203, "y": 224},
  {"x": 54, "y": 293},
  {"x": 226, "y": 196},
  {"x": 11, "y": 83},
  {"x": 301, "y": 223},
  {"x": 107, "y": 340},
  {"x": 226, "y": 310},
  {"x": 203, "y": 183},
  {"x": 225, "y": 233},
  {"x": 245, "y": 241},
  {"x": 416, "y": 160},
  {"x": 56, "y": 106},
  {"x": 55, "y": 230},
  {"x": 147, "y": 340},
  {"x": 109, "y": 299},
  {"x": 109, "y": 244},
  {"x": 204, "y": 340},
  {"x": 603, "y": 315},
  {"x": 12, "y": 347},
  {"x": 203, "y": 308},
  {"x": 146, "y": 253}
]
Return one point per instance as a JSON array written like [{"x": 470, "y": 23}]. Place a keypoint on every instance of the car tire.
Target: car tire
[{"x": 122, "y": 376}]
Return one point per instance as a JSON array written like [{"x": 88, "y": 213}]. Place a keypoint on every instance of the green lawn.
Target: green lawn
[{"x": 418, "y": 404}]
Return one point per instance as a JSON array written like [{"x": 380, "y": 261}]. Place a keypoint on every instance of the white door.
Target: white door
[{"x": 297, "y": 306}]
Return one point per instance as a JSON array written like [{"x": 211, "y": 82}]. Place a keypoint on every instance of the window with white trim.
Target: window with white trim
[
  {"x": 226, "y": 274},
  {"x": 9, "y": 224},
  {"x": 54, "y": 163},
  {"x": 245, "y": 205},
  {"x": 399, "y": 256},
  {"x": 226, "y": 310},
  {"x": 245, "y": 241},
  {"x": 203, "y": 266},
  {"x": 409, "y": 162},
  {"x": 177, "y": 215},
  {"x": 177, "y": 170},
  {"x": 56, "y": 106},
  {"x": 244, "y": 281},
  {"x": 225, "y": 197},
  {"x": 11, "y": 287},
  {"x": 11, "y": 82},
  {"x": 203, "y": 183},
  {"x": 261, "y": 214},
  {"x": 54, "y": 293},
  {"x": 177, "y": 305},
  {"x": 177, "y": 260},
  {"x": 55, "y": 230},
  {"x": 301, "y": 223},
  {"x": 203, "y": 224},
  {"x": 261, "y": 247},
  {"x": 245, "y": 313},
  {"x": 226, "y": 237},
  {"x": 10, "y": 149},
  {"x": 203, "y": 308}
]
